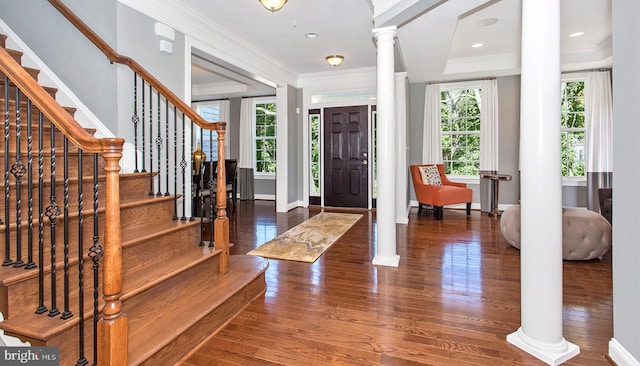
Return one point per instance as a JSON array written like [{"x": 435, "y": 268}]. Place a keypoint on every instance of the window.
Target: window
[
  {"x": 314, "y": 124},
  {"x": 208, "y": 140},
  {"x": 265, "y": 137},
  {"x": 572, "y": 129},
  {"x": 460, "y": 124}
]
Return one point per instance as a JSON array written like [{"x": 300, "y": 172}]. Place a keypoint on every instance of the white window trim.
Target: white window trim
[
  {"x": 566, "y": 180},
  {"x": 463, "y": 85},
  {"x": 256, "y": 101}
]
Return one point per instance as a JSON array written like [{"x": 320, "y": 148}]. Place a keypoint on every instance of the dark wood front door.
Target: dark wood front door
[{"x": 345, "y": 157}]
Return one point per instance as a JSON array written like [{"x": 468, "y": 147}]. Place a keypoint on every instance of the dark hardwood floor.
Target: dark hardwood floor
[{"x": 452, "y": 301}]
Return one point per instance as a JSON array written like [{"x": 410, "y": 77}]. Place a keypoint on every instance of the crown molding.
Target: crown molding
[
  {"x": 340, "y": 80},
  {"x": 227, "y": 47}
]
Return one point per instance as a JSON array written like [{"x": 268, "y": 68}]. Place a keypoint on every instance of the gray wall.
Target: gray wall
[
  {"x": 137, "y": 40},
  {"x": 626, "y": 200},
  {"x": 75, "y": 60},
  {"x": 509, "y": 140}
]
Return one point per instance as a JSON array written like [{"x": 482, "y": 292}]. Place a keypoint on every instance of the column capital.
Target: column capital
[{"x": 385, "y": 33}]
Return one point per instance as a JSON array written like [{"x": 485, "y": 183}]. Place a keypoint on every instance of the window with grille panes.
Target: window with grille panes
[
  {"x": 460, "y": 125},
  {"x": 265, "y": 137},
  {"x": 572, "y": 128}
]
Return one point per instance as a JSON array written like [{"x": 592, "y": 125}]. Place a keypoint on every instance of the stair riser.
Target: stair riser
[
  {"x": 12, "y": 91},
  {"x": 67, "y": 343},
  {"x": 141, "y": 255},
  {"x": 31, "y": 71},
  {"x": 23, "y": 296}
]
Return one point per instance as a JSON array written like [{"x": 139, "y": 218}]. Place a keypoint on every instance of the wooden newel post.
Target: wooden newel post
[
  {"x": 221, "y": 224},
  {"x": 113, "y": 324}
]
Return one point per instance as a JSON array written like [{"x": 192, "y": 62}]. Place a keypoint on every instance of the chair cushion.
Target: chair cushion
[{"x": 430, "y": 175}]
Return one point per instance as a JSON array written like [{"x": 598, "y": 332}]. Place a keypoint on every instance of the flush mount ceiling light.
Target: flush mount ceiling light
[
  {"x": 273, "y": 5},
  {"x": 311, "y": 35},
  {"x": 335, "y": 60},
  {"x": 486, "y": 21},
  {"x": 576, "y": 34},
  {"x": 477, "y": 45}
]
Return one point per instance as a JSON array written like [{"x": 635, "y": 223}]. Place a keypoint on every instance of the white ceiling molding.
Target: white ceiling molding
[
  {"x": 339, "y": 80},
  {"x": 227, "y": 46},
  {"x": 506, "y": 63},
  {"x": 227, "y": 87}
]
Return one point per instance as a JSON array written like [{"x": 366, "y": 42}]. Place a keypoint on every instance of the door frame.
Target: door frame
[{"x": 369, "y": 103}]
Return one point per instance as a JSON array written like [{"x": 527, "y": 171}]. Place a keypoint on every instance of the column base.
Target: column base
[
  {"x": 379, "y": 260},
  {"x": 552, "y": 354}
]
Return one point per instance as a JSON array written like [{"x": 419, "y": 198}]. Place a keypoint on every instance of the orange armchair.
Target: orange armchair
[{"x": 447, "y": 193}]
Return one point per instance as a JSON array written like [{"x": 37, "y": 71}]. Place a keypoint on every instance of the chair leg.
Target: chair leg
[
  {"x": 439, "y": 212},
  {"x": 419, "y": 208},
  {"x": 468, "y": 208}
]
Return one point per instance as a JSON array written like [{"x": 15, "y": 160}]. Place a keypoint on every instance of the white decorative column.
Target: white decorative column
[
  {"x": 386, "y": 254},
  {"x": 540, "y": 333},
  {"x": 402, "y": 171}
]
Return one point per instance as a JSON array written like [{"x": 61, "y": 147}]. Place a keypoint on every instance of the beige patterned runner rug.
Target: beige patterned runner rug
[{"x": 307, "y": 241}]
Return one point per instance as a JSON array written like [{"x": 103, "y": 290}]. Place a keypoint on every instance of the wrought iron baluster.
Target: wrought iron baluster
[
  {"x": 150, "y": 140},
  {"x": 30, "y": 263},
  {"x": 143, "y": 134},
  {"x": 66, "y": 314},
  {"x": 7, "y": 233},
  {"x": 82, "y": 361},
  {"x": 211, "y": 189},
  {"x": 52, "y": 212},
  {"x": 159, "y": 147},
  {"x": 166, "y": 135},
  {"x": 183, "y": 165},
  {"x": 135, "y": 119},
  {"x": 41, "y": 308},
  {"x": 175, "y": 163},
  {"x": 95, "y": 253},
  {"x": 18, "y": 169}
]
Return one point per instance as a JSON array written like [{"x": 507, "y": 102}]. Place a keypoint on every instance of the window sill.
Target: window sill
[
  {"x": 574, "y": 182},
  {"x": 265, "y": 176},
  {"x": 467, "y": 179}
]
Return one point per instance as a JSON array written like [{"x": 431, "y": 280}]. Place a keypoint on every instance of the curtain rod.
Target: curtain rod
[
  {"x": 217, "y": 100},
  {"x": 460, "y": 81}
]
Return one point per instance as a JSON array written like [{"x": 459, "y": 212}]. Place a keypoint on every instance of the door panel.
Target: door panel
[{"x": 345, "y": 157}]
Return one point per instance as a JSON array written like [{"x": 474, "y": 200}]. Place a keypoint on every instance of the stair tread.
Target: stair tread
[{"x": 142, "y": 344}]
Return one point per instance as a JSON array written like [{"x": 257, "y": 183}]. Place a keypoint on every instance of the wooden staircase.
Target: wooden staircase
[{"x": 173, "y": 292}]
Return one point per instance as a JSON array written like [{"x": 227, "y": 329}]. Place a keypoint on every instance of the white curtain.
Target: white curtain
[
  {"x": 489, "y": 126},
  {"x": 598, "y": 113},
  {"x": 223, "y": 110},
  {"x": 246, "y": 181},
  {"x": 432, "y": 132}
]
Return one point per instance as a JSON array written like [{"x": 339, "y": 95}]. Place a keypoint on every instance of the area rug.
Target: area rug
[{"x": 307, "y": 241}]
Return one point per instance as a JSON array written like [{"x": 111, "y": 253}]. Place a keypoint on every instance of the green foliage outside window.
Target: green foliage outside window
[
  {"x": 460, "y": 123},
  {"x": 315, "y": 154},
  {"x": 265, "y": 137},
  {"x": 572, "y": 140}
]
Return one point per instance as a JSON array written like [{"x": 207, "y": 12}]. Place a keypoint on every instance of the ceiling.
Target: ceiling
[{"x": 435, "y": 45}]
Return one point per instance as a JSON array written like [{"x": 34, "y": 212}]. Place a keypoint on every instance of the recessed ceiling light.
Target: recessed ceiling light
[
  {"x": 477, "y": 45},
  {"x": 486, "y": 21},
  {"x": 311, "y": 35},
  {"x": 576, "y": 34}
]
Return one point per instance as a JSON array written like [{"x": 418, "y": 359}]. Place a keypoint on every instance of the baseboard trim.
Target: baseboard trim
[{"x": 620, "y": 355}]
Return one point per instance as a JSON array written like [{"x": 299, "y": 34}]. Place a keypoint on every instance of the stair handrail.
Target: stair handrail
[
  {"x": 114, "y": 56},
  {"x": 114, "y": 321}
]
